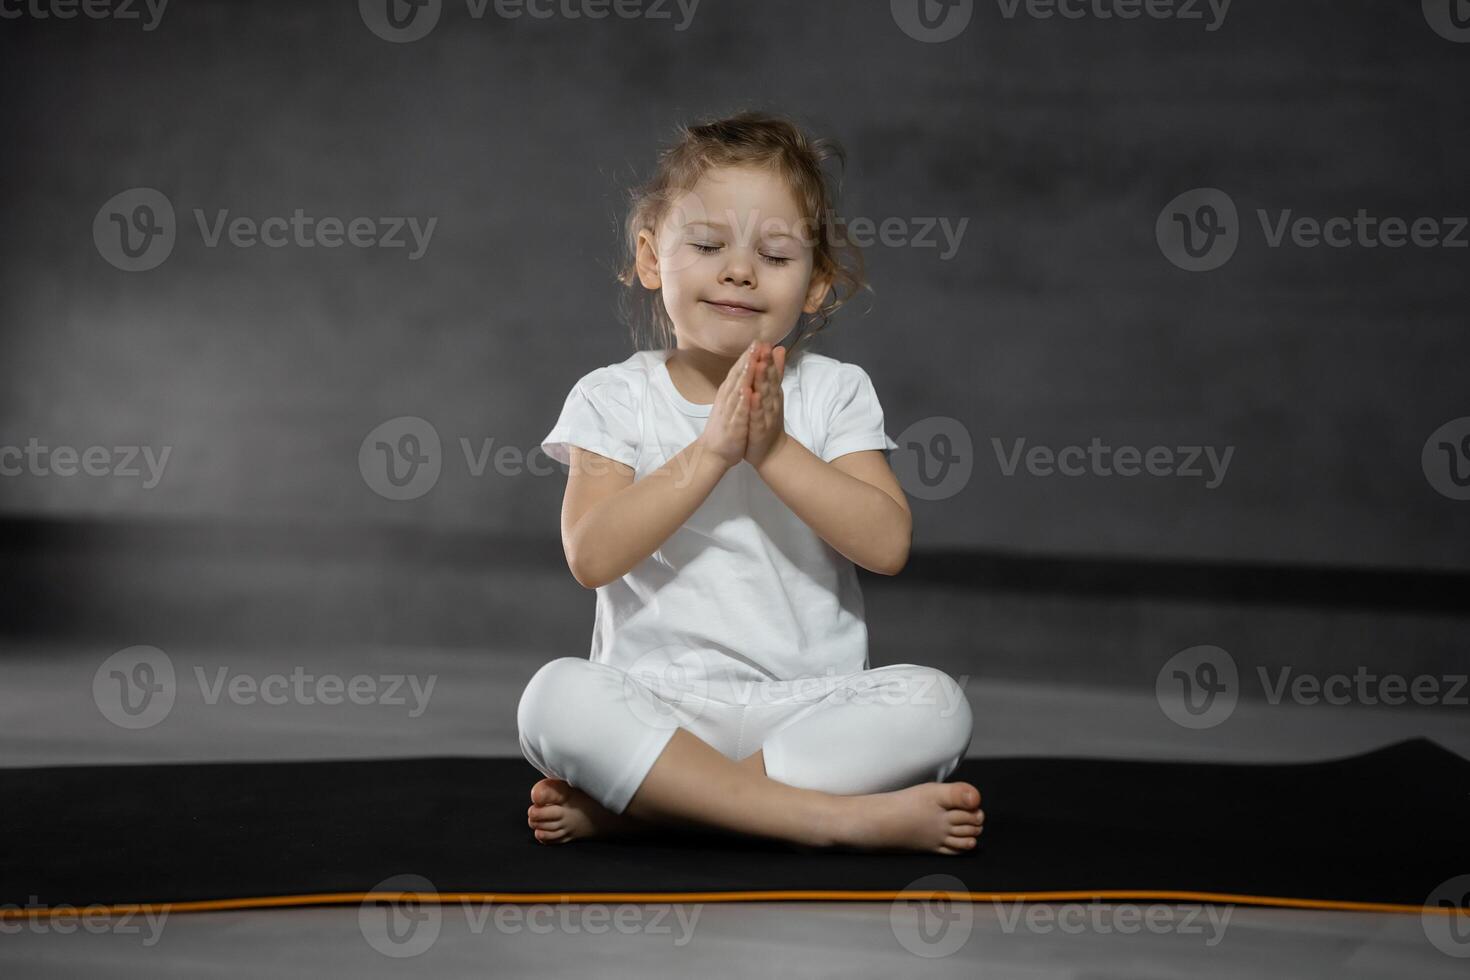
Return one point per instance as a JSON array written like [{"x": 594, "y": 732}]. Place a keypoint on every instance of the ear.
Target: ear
[
  {"x": 821, "y": 285},
  {"x": 647, "y": 260}
]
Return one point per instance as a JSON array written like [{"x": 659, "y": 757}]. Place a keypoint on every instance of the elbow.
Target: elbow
[
  {"x": 587, "y": 578},
  {"x": 578, "y": 555},
  {"x": 898, "y": 555}
]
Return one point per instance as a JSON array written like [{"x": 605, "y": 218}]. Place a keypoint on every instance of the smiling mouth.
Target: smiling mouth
[{"x": 731, "y": 307}]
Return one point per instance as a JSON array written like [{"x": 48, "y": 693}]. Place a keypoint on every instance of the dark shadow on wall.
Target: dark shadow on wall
[{"x": 1068, "y": 619}]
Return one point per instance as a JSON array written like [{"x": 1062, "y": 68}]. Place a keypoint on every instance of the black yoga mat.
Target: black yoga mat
[{"x": 1385, "y": 827}]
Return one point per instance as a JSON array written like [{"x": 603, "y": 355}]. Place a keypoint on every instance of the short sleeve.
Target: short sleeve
[
  {"x": 598, "y": 416},
  {"x": 855, "y": 420}
]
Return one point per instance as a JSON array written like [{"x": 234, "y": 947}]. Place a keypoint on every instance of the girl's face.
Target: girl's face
[{"x": 737, "y": 237}]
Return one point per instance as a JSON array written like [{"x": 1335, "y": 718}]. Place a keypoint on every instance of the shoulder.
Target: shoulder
[
  {"x": 828, "y": 377},
  {"x": 622, "y": 382}
]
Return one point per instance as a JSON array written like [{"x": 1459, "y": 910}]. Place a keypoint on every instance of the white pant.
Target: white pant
[{"x": 601, "y": 728}]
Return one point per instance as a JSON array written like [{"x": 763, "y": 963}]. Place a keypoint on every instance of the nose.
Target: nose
[{"x": 737, "y": 273}]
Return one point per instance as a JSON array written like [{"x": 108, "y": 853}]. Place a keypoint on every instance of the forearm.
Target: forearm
[
  {"x": 617, "y": 533},
  {"x": 860, "y": 521}
]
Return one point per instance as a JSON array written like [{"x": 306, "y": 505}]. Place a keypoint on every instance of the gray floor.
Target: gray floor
[{"x": 48, "y": 717}]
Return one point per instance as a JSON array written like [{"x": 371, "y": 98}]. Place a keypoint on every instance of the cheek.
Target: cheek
[{"x": 794, "y": 284}]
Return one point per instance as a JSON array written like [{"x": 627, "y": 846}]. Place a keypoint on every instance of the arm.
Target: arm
[
  {"x": 610, "y": 522},
  {"x": 854, "y": 503}
]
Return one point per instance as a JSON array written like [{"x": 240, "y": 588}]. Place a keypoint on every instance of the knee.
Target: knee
[
  {"x": 946, "y": 718},
  {"x": 555, "y": 700},
  {"x": 956, "y": 720}
]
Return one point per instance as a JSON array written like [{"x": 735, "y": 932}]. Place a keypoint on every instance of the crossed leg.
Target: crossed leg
[{"x": 692, "y": 783}]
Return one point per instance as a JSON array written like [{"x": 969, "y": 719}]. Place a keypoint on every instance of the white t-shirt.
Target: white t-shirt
[{"x": 744, "y": 585}]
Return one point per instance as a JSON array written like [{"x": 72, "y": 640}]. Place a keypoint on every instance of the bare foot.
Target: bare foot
[
  {"x": 560, "y": 812},
  {"x": 941, "y": 817}
]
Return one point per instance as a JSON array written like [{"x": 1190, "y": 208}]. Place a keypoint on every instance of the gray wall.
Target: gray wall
[{"x": 1059, "y": 318}]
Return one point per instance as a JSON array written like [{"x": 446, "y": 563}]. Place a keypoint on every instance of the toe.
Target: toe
[
  {"x": 548, "y": 836},
  {"x": 963, "y": 796},
  {"x": 965, "y": 818},
  {"x": 549, "y": 791},
  {"x": 960, "y": 843}
]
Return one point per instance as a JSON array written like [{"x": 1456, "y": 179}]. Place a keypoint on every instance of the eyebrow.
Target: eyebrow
[{"x": 724, "y": 227}]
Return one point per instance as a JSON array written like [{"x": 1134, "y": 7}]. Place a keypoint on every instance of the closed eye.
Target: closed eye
[{"x": 777, "y": 260}]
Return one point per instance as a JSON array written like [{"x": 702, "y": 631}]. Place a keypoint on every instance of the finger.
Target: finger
[
  {"x": 738, "y": 367},
  {"x": 739, "y": 377}
]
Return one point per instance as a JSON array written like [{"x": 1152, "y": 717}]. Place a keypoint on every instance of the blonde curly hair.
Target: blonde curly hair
[{"x": 748, "y": 139}]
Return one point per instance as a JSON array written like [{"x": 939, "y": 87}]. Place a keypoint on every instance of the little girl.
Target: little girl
[{"x": 720, "y": 491}]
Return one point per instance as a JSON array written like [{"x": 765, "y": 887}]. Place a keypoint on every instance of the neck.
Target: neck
[
  {"x": 696, "y": 362},
  {"x": 712, "y": 367}
]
